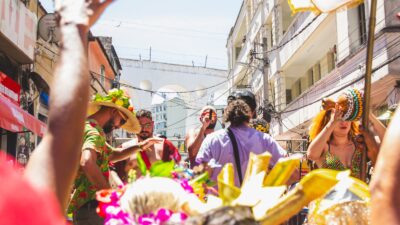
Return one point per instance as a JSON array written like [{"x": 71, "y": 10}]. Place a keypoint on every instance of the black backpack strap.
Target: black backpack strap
[{"x": 236, "y": 154}]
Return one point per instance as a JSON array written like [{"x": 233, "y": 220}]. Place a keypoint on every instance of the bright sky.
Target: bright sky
[{"x": 178, "y": 31}]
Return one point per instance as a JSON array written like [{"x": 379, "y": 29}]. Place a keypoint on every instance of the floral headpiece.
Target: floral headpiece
[
  {"x": 116, "y": 96},
  {"x": 119, "y": 99}
]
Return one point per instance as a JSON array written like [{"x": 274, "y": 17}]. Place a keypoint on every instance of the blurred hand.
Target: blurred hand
[
  {"x": 96, "y": 9},
  {"x": 205, "y": 122},
  {"x": 84, "y": 13},
  {"x": 146, "y": 144},
  {"x": 336, "y": 115}
]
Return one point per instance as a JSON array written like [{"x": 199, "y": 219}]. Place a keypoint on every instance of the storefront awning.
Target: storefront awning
[{"x": 14, "y": 119}]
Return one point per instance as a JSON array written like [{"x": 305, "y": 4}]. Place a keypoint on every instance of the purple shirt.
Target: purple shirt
[{"x": 217, "y": 149}]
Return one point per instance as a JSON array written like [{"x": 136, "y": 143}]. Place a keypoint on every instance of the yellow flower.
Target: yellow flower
[{"x": 119, "y": 102}]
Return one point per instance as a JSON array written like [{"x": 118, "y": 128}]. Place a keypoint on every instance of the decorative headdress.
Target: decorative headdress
[
  {"x": 119, "y": 99},
  {"x": 350, "y": 102}
]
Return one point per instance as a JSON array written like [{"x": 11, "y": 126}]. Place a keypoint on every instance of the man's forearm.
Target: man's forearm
[
  {"x": 193, "y": 148},
  {"x": 122, "y": 154},
  {"x": 96, "y": 178}
]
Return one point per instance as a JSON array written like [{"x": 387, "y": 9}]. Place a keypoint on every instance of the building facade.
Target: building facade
[
  {"x": 291, "y": 61},
  {"x": 18, "y": 122},
  {"x": 103, "y": 68},
  {"x": 27, "y": 64}
]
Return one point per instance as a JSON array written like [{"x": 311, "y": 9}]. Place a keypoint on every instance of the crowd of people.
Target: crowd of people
[{"x": 73, "y": 162}]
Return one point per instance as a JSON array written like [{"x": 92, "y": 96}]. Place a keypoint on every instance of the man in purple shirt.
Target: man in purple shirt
[{"x": 217, "y": 148}]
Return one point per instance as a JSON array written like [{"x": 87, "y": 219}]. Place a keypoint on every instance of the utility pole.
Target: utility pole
[
  {"x": 265, "y": 72},
  {"x": 150, "y": 53}
]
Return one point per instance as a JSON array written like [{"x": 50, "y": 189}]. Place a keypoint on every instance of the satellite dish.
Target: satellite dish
[
  {"x": 48, "y": 28},
  {"x": 145, "y": 85}
]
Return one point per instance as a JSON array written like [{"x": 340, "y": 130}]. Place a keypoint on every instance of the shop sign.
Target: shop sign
[
  {"x": 18, "y": 24},
  {"x": 9, "y": 88}
]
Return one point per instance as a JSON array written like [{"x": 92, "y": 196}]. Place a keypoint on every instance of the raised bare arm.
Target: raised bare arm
[{"x": 55, "y": 161}]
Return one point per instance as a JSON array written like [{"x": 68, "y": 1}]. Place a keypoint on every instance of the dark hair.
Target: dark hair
[
  {"x": 237, "y": 112},
  {"x": 245, "y": 95},
  {"x": 144, "y": 113}
]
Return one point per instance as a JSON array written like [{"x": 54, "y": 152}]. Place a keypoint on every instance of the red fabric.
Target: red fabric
[
  {"x": 21, "y": 204},
  {"x": 171, "y": 151},
  {"x": 145, "y": 159},
  {"x": 13, "y": 118}
]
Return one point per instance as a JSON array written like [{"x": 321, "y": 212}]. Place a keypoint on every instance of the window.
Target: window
[
  {"x": 317, "y": 72},
  {"x": 165, "y": 107},
  {"x": 363, "y": 25},
  {"x": 310, "y": 77},
  {"x": 288, "y": 96},
  {"x": 299, "y": 86}
]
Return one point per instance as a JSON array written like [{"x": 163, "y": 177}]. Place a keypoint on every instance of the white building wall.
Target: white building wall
[
  {"x": 171, "y": 77},
  {"x": 176, "y": 127}
]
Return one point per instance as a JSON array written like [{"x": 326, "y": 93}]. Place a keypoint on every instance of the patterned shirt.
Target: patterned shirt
[{"x": 94, "y": 138}]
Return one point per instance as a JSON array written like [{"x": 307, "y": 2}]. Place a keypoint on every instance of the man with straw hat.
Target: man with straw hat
[{"x": 106, "y": 113}]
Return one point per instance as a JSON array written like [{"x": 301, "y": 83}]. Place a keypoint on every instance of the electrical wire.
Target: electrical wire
[
  {"x": 346, "y": 85},
  {"x": 194, "y": 113}
]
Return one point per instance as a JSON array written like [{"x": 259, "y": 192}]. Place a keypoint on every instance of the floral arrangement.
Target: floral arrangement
[
  {"x": 110, "y": 209},
  {"x": 116, "y": 96},
  {"x": 263, "y": 193},
  {"x": 109, "y": 200}
]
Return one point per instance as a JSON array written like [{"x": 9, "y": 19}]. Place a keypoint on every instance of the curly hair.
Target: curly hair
[
  {"x": 237, "y": 112},
  {"x": 144, "y": 113}
]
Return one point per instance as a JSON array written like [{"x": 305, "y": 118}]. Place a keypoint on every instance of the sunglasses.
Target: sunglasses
[
  {"x": 123, "y": 118},
  {"x": 146, "y": 125}
]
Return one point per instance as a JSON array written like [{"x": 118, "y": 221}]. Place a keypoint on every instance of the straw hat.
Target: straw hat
[{"x": 118, "y": 99}]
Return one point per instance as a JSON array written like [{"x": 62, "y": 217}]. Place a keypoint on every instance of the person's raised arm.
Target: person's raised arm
[
  {"x": 120, "y": 154},
  {"x": 385, "y": 183},
  {"x": 55, "y": 161},
  {"x": 317, "y": 145},
  {"x": 194, "y": 139},
  {"x": 379, "y": 128}
]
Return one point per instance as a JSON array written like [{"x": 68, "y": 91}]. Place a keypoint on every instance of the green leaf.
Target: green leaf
[
  {"x": 202, "y": 178},
  {"x": 162, "y": 169},
  {"x": 141, "y": 164}
]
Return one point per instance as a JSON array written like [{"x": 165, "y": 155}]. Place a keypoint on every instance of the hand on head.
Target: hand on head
[
  {"x": 336, "y": 115},
  {"x": 207, "y": 118}
]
